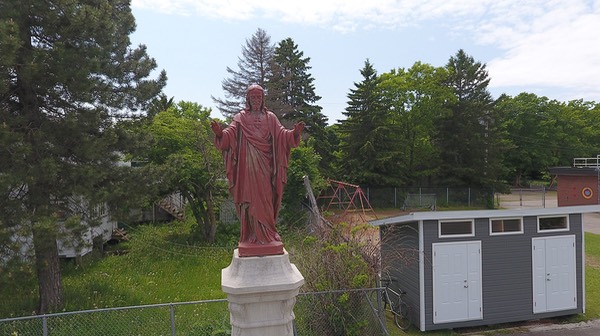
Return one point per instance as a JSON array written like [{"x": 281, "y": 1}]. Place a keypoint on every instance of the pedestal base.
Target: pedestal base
[
  {"x": 261, "y": 292},
  {"x": 255, "y": 250}
]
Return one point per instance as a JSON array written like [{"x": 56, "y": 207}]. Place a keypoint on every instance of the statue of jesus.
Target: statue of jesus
[{"x": 256, "y": 149}]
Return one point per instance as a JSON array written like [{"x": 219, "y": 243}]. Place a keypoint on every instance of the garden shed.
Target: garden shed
[{"x": 483, "y": 267}]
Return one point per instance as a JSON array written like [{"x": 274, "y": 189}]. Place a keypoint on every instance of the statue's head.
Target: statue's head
[{"x": 255, "y": 95}]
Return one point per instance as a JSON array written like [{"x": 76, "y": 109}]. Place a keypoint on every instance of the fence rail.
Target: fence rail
[
  {"x": 390, "y": 197},
  {"x": 343, "y": 312}
]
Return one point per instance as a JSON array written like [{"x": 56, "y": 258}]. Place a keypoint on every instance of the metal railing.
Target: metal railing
[
  {"x": 587, "y": 162},
  {"x": 343, "y": 312}
]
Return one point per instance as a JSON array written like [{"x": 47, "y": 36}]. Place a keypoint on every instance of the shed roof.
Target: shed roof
[{"x": 472, "y": 214}]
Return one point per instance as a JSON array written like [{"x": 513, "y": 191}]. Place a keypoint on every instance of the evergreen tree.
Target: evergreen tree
[
  {"x": 295, "y": 93},
  {"x": 67, "y": 72},
  {"x": 255, "y": 67},
  {"x": 366, "y": 142},
  {"x": 467, "y": 135}
]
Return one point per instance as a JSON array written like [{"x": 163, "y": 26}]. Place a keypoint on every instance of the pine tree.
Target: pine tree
[
  {"x": 366, "y": 144},
  {"x": 67, "y": 72},
  {"x": 467, "y": 135},
  {"x": 255, "y": 67},
  {"x": 295, "y": 92}
]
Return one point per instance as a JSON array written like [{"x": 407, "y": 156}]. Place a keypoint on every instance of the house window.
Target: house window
[
  {"x": 506, "y": 226},
  {"x": 458, "y": 228},
  {"x": 555, "y": 223}
]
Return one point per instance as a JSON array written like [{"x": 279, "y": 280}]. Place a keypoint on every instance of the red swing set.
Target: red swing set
[{"x": 347, "y": 197}]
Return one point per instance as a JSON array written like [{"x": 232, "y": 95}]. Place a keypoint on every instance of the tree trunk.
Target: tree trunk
[
  {"x": 211, "y": 222},
  {"x": 48, "y": 271}
]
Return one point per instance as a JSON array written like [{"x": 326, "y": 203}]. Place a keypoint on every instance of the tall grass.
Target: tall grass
[
  {"x": 158, "y": 266},
  {"x": 156, "y": 269}
]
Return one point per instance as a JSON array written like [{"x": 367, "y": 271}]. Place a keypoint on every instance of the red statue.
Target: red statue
[{"x": 256, "y": 149}]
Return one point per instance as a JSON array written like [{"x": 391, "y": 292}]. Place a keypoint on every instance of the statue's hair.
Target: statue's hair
[{"x": 255, "y": 87}]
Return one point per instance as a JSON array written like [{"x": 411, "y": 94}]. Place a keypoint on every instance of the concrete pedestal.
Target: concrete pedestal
[{"x": 261, "y": 292}]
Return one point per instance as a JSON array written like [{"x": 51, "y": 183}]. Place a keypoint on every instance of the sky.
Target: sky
[{"x": 547, "y": 47}]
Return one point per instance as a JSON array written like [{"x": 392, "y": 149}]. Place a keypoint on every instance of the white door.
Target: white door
[
  {"x": 554, "y": 278},
  {"x": 457, "y": 282}
]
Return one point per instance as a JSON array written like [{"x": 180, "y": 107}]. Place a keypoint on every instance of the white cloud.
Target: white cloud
[
  {"x": 558, "y": 48},
  {"x": 552, "y": 43},
  {"x": 344, "y": 14}
]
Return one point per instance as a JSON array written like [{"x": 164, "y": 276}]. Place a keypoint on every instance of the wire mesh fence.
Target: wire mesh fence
[
  {"x": 340, "y": 313},
  {"x": 344, "y": 312},
  {"x": 390, "y": 197}
]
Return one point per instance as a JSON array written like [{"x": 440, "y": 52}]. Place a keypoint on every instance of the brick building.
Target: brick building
[{"x": 578, "y": 185}]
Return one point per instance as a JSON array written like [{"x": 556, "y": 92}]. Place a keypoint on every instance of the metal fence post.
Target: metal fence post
[
  {"x": 543, "y": 196},
  {"x": 172, "y": 309},
  {"x": 469, "y": 201},
  {"x": 45, "y": 325}
]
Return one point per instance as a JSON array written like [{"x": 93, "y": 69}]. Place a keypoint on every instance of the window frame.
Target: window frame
[
  {"x": 566, "y": 217},
  {"x": 461, "y": 235},
  {"x": 521, "y": 229}
]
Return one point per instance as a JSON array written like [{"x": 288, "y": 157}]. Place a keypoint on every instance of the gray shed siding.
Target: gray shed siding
[
  {"x": 507, "y": 285},
  {"x": 402, "y": 241}
]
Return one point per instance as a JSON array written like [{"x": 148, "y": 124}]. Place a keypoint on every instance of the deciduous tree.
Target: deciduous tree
[{"x": 181, "y": 147}]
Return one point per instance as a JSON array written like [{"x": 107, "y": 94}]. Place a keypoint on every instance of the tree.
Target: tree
[
  {"x": 545, "y": 133},
  {"x": 296, "y": 97},
  {"x": 531, "y": 150},
  {"x": 255, "y": 67},
  {"x": 415, "y": 96},
  {"x": 467, "y": 136},
  {"x": 67, "y": 73},
  {"x": 366, "y": 141},
  {"x": 181, "y": 147}
]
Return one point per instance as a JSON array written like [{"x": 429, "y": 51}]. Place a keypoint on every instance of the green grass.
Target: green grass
[
  {"x": 159, "y": 267},
  {"x": 156, "y": 269}
]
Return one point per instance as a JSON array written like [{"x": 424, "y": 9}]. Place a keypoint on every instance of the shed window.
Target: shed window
[
  {"x": 556, "y": 223},
  {"x": 459, "y": 228},
  {"x": 506, "y": 226}
]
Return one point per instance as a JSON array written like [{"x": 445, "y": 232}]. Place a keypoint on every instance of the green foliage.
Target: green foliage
[
  {"x": 416, "y": 98},
  {"x": 181, "y": 148},
  {"x": 467, "y": 137},
  {"x": 340, "y": 260},
  {"x": 366, "y": 149},
  {"x": 303, "y": 162},
  {"x": 66, "y": 76}
]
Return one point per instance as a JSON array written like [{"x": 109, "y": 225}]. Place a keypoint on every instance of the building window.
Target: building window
[
  {"x": 555, "y": 223},
  {"x": 458, "y": 228},
  {"x": 506, "y": 226}
]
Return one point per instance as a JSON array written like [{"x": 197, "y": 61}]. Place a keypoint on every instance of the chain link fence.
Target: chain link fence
[
  {"x": 344, "y": 312},
  {"x": 534, "y": 197},
  {"x": 402, "y": 198}
]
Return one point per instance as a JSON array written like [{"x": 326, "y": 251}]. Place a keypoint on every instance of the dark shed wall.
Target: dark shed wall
[
  {"x": 400, "y": 259},
  {"x": 507, "y": 285}
]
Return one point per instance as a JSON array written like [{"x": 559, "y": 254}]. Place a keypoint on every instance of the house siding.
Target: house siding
[
  {"x": 507, "y": 285},
  {"x": 403, "y": 240}
]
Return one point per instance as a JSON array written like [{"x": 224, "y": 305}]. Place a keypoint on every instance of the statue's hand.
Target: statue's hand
[
  {"x": 298, "y": 128},
  {"x": 216, "y": 128}
]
